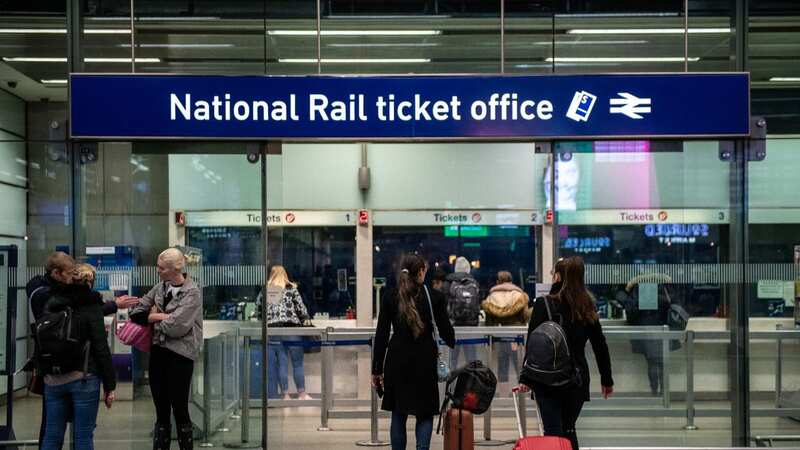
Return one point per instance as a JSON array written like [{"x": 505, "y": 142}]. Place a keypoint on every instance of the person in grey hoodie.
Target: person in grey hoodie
[
  {"x": 175, "y": 310},
  {"x": 463, "y": 306}
]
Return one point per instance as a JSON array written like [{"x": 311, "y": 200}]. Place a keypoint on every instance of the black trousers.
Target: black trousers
[
  {"x": 170, "y": 382},
  {"x": 560, "y": 410}
]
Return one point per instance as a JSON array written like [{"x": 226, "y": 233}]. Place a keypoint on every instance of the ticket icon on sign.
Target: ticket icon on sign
[{"x": 581, "y": 106}]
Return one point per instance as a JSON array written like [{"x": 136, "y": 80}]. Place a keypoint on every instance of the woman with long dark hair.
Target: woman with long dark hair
[
  {"x": 405, "y": 365},
  {"x": 573, "y": 308}
]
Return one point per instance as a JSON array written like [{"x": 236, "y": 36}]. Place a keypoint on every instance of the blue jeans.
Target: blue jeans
[
  {"x": 279, "y": 356},
  {"x": 83, "y": 396},
  {"x": 505, "y": 357},
  {"x": 470, "y": 354},
  {"x": 423, "y": 431}
]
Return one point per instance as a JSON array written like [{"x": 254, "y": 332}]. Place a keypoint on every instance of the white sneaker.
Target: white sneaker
[{"x": 304, "y": 396}]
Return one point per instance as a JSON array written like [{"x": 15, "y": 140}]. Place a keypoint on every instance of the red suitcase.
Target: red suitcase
[
  {"x": 459, "y": 431},
  {"x": 540, "y": 442}
]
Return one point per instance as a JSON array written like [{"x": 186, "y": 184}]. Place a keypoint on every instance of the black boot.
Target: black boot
[
  {"x": 161, "y": 437},
  {"x": 185, "y": 436}
]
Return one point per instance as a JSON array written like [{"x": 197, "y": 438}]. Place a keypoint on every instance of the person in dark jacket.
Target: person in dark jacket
[
  {"x": 456, "y": 309},
  {"x": 650, "y": 315},
  {"x": 574, "y": 309},
  {"x": 405, "y": 365},
  {"x": 77, "y": 393},
  {"x": 59, "y": 270}
]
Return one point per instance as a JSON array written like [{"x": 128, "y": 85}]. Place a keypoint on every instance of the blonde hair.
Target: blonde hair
[
  {"x": 174, "y": 257},
  {"x": 85, "y": 273},
  {"x": 279, "y": 277},
  {"x": 504, "y": 276}
]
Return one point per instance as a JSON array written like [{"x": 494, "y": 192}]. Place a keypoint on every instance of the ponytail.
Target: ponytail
[{"x": 407, "y": 291}]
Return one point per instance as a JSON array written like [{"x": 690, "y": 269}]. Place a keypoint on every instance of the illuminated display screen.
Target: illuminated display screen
[{"x": 586, "y": 244}]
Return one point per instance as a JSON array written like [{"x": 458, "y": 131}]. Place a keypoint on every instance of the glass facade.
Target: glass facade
[{"x": 659, "y": 222}]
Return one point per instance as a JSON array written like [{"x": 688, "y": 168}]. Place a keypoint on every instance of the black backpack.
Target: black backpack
[
  {"x": 463, "y": 301},
  {"x": 60, "y": 348},
  {"x": 470, "y": 388},
  {"x": 548, "y": 360}
]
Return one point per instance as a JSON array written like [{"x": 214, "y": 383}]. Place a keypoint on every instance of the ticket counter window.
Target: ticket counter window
[
  {"x": 489, "y": 249},
  {"x": 618, "y": 247},
  {"x": 319, "y": 259}
]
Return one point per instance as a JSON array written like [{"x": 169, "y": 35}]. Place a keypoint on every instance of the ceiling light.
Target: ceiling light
[
  {"x": 382, "y": 45},
  {"x": 617, "y": 60},
  {"x": 178, "y": 45},
  {"x": 355, "y": 60},
  {"x": 354, "y": 32},
  {"x": 107, "y": 31},
  {"x": 120, "y": 60},
  {"x": 54, "y": 81},
  {"x": 32, "y": 59},
  {"x": 785, "y": 79},
  {"x": 638, "y": 41},
  {"x": 63, "y": 31},
  {"x": 649, "y": 31},
  {"x": 178, "y": 19},
  {"x": 33, "y": 31}
]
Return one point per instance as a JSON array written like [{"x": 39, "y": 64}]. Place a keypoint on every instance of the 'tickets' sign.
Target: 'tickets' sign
[{"x": 592, "y": 105}]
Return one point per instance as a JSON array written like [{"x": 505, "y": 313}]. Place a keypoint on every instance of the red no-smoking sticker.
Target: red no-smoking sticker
[
  {"x": 476, "y": 218},
  {"x": 290, "y": 218}
]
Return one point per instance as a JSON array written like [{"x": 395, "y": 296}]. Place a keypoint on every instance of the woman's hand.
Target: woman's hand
[
  {"x": 520, "y": 388},
  {"x": 607, "y": 391},
  {"x": 155, "y": 317},
  {"x": 109, "y": 398},
  {"x": 377, "y": 381},
  {"x": 126, "y": 301}
]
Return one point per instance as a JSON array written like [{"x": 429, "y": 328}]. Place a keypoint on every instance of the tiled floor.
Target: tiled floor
[{"x": 127, "y": 426}]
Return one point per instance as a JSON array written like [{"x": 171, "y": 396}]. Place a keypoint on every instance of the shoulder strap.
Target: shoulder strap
[
  {"x": 433, "y": 317},
  {"x": 30, "y": 297},
  {"x": 547, "y": 305}
]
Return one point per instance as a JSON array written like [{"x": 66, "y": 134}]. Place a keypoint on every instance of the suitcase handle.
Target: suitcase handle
[{"x": 515, "y": 395}]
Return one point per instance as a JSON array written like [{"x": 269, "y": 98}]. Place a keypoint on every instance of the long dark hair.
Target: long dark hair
[
  {"x": 407, "y": 289},
  {"x": 574, "y": 292}
]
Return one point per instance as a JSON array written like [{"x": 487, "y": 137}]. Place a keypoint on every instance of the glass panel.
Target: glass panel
[
  {"x": 291, "y": 37},
  {"x": 203, "y": 38},
  {"x": 410, "y": 37},
  {"x": 773, "y": 265},
  {"x": 137, "y": 200},
  {"x": 34, "y": 49},
  {"x": 650, "y": 219},
  {"x": 773, "y": 46}
]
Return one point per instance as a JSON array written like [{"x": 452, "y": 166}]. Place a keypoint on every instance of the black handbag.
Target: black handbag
[{"x": 311, "y": 343}]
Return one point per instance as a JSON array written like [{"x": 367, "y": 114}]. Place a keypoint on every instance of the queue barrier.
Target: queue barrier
[{"x": 332, "y": 408}]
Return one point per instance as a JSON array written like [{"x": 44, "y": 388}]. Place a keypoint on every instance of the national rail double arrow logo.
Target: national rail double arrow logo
[{"x": 630, "y": 105}]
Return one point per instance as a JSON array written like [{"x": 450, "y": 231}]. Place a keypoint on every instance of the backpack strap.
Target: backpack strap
[
  {"x": 547, "y": 306},
  {"x": 31, "y": 317},
  {"x": 86, "y": 347},
  {"x": 448, "y": 396}
]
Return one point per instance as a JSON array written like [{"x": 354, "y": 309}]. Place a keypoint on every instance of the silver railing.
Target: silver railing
[{"x": 332, "y": 406}]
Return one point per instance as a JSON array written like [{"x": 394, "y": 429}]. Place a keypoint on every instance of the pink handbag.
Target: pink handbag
[{"x": 138, "y": 336}]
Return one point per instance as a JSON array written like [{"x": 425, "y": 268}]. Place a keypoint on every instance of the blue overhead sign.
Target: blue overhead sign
[{"x": 579, "y": 106}]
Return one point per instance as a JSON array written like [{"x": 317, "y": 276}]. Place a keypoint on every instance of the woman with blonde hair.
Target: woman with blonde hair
[
  {"x": 174, "y": 307},
  {"x": 285, "y": 308}
]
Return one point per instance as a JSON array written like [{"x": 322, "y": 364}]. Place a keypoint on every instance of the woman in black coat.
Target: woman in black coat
[
  {"x": 574, "y": 309},
  {"x": 405, "y": 365}
]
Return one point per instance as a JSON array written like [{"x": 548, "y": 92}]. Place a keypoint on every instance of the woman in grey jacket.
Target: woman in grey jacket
[{"x": 175, "y": 310}]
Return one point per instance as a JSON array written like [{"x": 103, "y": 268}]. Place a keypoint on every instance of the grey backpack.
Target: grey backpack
[
  {"x": 463, "y": 302},
  {"x": 548, "y": 360}
]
